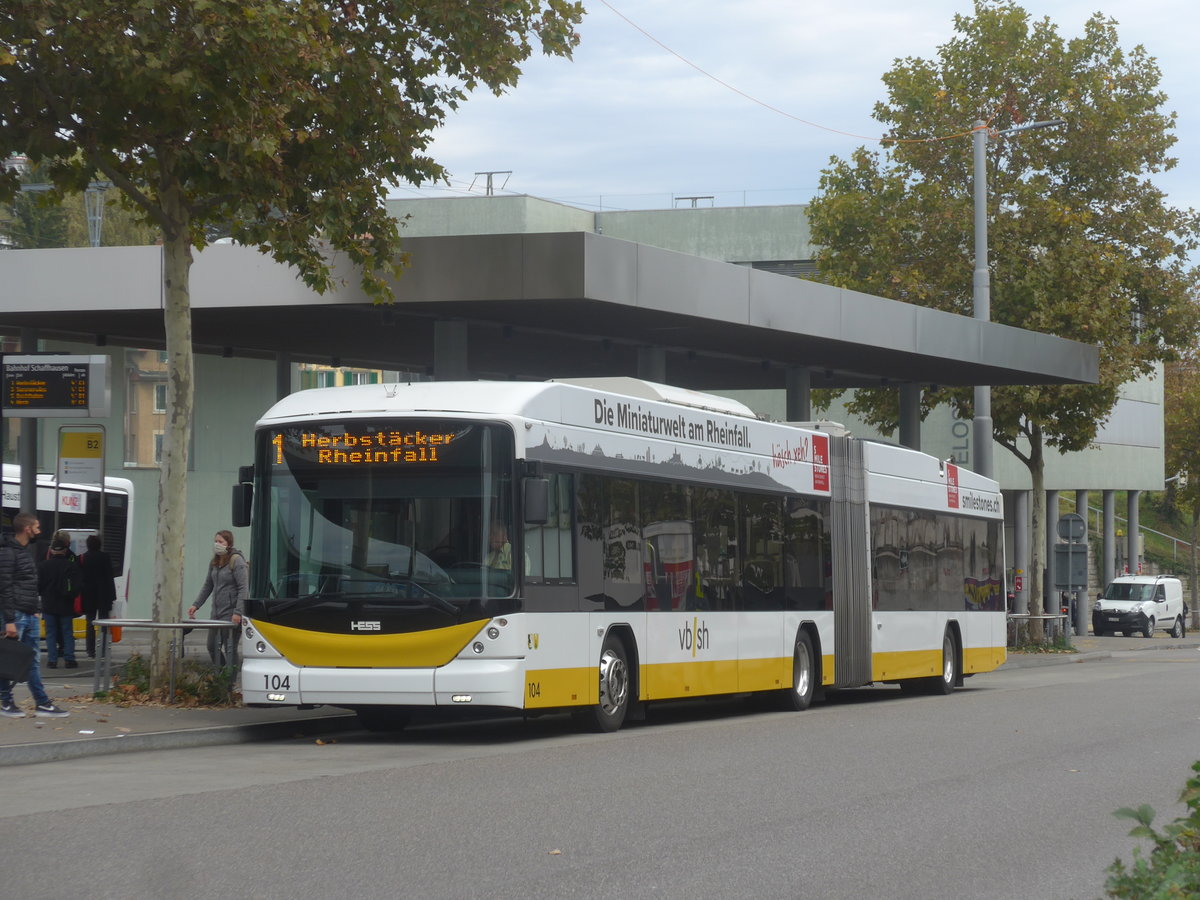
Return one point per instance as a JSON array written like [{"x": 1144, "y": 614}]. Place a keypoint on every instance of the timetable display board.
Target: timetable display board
[{"x": 58, "y": 385}]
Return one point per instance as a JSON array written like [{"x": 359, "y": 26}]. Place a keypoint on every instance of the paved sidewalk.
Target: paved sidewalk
[
  {"x": 96, "y": 727},
  {"x": 1089, "y": 647}
]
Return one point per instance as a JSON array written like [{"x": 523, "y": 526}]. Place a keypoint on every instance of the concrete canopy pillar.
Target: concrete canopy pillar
[
  {"x": 1135, "y": 527},
  {"x": 1081, "y": 596},
  {"x": 27, "y": 441},
  {"x": 652, "y": 364},
  {"x": 1050, "y": 598},
  {"x": 1108, "y": 562},
  {"x": 910, "y": 416},
  {"x": 283, "y": 375},
  {"x": 799, "y": 395},
  {"x": 1021, "y": 550},
  {"x": 450, "y": 358}
]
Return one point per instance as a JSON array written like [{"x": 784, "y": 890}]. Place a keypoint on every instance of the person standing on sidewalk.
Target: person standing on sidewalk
[
  {"x": 99, "y": 588},
  {"x": 19, "y": 611},
  {"x": 229, "y": 585},
  {"x": 59, "y": 583}
]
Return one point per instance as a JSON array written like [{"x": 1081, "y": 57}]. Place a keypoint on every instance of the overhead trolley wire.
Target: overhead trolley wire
[{"x": 775, "y": 109}]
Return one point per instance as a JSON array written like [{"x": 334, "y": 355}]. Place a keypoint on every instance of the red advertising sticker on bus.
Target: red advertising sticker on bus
[
  {"x": 820, "y": 445},
  {"x": 952, "y": 486}
]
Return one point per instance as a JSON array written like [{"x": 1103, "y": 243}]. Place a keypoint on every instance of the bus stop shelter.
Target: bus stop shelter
[{"x": 536, "y": 306}]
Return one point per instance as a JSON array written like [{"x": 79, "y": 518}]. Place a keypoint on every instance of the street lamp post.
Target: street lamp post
[{"x": 982, "y": 285}]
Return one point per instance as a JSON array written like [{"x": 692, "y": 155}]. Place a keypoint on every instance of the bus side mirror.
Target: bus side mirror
[
  {"x": 536, "y": 500},
  {"x": 243, "y": 498}
]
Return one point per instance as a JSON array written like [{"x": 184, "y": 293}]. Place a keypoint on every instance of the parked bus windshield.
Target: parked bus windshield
[{"x": 404, "y": 524}]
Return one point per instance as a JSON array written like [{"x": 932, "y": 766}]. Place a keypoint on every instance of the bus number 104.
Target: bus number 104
[{"x": 277, "y": 682}]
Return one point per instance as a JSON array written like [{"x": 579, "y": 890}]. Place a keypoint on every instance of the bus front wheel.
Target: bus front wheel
[{"x": 609, "y": 713}]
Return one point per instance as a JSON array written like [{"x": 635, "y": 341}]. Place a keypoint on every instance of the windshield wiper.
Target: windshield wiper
[{"x": 427, "y": 599}]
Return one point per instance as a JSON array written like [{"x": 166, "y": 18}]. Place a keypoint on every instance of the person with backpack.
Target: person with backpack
[
  {"x": 59, "y": 583},
  {"x": 228, "y": 584}
]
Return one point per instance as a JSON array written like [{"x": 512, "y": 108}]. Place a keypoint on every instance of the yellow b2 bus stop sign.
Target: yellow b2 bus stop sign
[{"x": 81, "y": 456}]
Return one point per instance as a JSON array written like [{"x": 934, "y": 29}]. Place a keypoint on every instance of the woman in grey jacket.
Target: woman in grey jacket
[{"x": 227, "y": 584}]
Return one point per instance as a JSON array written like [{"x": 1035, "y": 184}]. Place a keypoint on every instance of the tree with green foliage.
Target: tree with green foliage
[
  {"x": 34, "y": 218},
  {"x": 283, "y": 120},
  {"x": 41, "y": 215},
  {"x": 1083, "y": 245},
  {"x": 1181, "y": 415}
]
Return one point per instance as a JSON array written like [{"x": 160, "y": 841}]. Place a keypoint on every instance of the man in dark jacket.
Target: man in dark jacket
[
  {"x": 19, "y": 611},
  {"x": 99, "y": 587}
]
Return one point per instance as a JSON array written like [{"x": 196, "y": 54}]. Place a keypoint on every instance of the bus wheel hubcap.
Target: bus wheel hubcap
[{"x": 614, "y": 681}]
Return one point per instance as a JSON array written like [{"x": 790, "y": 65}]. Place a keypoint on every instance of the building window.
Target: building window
[{"x": 145, "y": 409}]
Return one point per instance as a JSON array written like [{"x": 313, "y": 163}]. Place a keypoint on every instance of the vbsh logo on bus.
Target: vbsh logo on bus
[{"x": 693, "y": 636}]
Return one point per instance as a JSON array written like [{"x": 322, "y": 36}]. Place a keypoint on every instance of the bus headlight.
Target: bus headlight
[
  {"x": 477, "y": 646},
  {"x": 493, "y": 632}
]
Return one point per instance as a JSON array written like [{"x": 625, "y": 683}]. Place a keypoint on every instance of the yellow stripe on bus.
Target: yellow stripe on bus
[
  {"x": 906, "y": 664},
  {"x": 926, "y": 663},
  {"x": 561, "y": 687},
  {"x": 547, "y": 688},
  {"x": 983, "y": 659},
  {"x": 418, "y": 649}
]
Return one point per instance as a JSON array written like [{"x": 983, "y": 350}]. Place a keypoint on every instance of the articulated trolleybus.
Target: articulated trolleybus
[{"x": 596, "y": 546}]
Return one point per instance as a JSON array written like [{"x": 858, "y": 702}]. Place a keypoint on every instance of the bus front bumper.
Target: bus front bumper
[{"x": 459, "y": 683}]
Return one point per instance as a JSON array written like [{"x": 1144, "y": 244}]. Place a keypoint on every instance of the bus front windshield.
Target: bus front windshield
[{"x": 402, "y": 524}]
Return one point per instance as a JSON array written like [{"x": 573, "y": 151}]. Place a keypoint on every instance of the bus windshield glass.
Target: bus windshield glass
[{"x": 404, "y": 523}]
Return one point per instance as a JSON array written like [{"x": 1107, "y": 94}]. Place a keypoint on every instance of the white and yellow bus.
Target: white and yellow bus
[
  {"x": 83, "y": 510},
  {"x": 597, "y": 546}
]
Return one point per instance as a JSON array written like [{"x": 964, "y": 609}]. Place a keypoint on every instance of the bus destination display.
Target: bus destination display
[
  {"x": 46, "y": 385},
  {"x": 363, "y": 448}
]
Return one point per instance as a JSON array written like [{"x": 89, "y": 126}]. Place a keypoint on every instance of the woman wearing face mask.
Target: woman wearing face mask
[{"x": 227, "y": 584}]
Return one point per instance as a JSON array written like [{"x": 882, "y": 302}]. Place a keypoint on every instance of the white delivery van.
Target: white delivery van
[{"x": 1140, "y": 603}]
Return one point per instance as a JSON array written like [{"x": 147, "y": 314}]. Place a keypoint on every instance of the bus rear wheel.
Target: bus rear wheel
[
  {"x": 938, "y": 684},
  {"x": 609, "y": 714},
  {"x": 949, "y": 677},
  {"x": 804, "y": 675}
]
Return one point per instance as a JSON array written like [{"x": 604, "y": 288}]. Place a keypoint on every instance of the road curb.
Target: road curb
[
  {"x": 55, "y": 751},
  {"x": 1035, "y": 660}
]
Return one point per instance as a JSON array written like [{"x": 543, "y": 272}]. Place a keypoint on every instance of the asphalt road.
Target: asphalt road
[{"x": 1004, "y": 789}]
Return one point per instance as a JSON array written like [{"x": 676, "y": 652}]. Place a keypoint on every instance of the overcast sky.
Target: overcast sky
[{"x": 627, "y": 125}]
